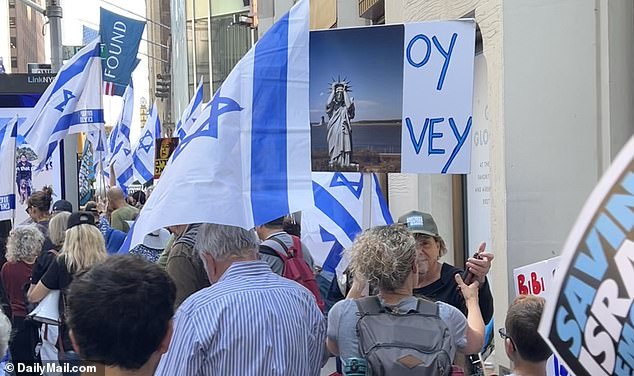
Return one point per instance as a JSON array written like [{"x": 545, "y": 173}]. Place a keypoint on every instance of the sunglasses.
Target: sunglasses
[{"x": 503, "y": 335}]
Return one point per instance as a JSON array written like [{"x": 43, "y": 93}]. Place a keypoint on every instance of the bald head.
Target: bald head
[{"x": 115, "y": 197}]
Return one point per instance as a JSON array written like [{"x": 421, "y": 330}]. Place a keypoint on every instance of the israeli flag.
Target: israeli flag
[
  {"x": 191, "y": 112},
  {"x": 121, "y": 151},
  {"x": 71, "y": 104},
  {"x": 246, "y": 159},
  {"x": 98, "y": 142},
  {"x": 8, "y": 134},
  {"x": 143, "y": 156},
  {"x": 341, "y": 201}
]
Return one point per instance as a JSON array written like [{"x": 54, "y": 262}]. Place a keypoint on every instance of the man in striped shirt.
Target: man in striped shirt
[{"x": 251, "y": 321}]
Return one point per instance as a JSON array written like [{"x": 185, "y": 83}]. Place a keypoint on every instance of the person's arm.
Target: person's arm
[
  {"x": 475, "y": 324},
  {"x": 49, "y": 281},
  {"x": 183, "y": 274},
  {"x": 38, "y": 293},
  {"x": 333, "y": 328},
  {"x": 486, "y": 302},
  {"x": 480, "y": 268}
]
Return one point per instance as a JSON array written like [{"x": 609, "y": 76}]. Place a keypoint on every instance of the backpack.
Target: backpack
[
  {"x": 417, "y": 342},
  {"x": 295, "y": 267}
]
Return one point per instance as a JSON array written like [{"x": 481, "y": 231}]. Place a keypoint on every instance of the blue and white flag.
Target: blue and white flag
[
  {"x": 98, "y": 141},
  {"x": 121, "y": 151},
  {"x": 246, "y": 159},
  {"x": 121, "y": 37},
  {"x": 191, "y": 112},
  {"x": 8, "y": 133},
  {"x": 143, "y": 156},
  {"x": 71, "y": 104},
  {"x": 337, "y": 217}
]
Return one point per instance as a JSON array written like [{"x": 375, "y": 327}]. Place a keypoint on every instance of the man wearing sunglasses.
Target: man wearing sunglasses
[{"x": 524, "y": 346}]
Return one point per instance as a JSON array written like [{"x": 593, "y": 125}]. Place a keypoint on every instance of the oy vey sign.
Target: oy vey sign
[{"x": 437, "y": 97}]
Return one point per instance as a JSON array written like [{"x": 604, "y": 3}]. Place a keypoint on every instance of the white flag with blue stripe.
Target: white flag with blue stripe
[
  {"x": 337, "y": 217},
  {"x": 246, "y": 159},
  {"x": 143, "y": 156},
  {"x": 8, "y": 134},
  {"x": 191, "y": 113},
  {"x": 72, "y": 103},
  {"x": 121, "y": 151},
  {"x": 98, "y": 142}
]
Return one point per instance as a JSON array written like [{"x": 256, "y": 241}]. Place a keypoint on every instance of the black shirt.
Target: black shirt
[
  {"x": 57, "y": 277},
  {"x": 44, "y": 260},
  {"x": 446, "y": 290}
]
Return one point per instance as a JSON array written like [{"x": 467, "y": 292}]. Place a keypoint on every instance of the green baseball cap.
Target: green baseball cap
[{"x": 419, "y": 223}]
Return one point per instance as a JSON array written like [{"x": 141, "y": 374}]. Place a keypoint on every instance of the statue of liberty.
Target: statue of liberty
[{"x": 340, "y": 110}]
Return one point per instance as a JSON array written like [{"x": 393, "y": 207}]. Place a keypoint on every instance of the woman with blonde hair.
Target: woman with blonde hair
[
  {"x": 386, "y": 257},
  {"x": 83, "y": 247},
  {"x": 24, "y": 244},
  {"x": 57, "y": 233}
]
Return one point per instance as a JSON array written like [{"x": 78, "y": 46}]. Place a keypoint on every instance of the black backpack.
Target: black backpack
[{"x": 417, "y": 342}]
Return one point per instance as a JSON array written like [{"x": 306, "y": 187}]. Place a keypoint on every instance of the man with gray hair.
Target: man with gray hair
[{"x": 251, "y": 321}]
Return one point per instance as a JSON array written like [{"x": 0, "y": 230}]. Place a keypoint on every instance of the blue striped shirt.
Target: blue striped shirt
[{"x": 251, "y": 322}]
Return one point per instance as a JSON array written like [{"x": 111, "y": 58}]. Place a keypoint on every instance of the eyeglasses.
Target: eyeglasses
[
  {"x": 503, "y": 335},
  {"x": 28, "y": 209}
]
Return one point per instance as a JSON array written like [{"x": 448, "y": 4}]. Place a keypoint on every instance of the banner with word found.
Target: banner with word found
[
  {"x": 120, "y": 37},
  {"x": 537, "y": 279},
  {"x": 589, "y": 318}
]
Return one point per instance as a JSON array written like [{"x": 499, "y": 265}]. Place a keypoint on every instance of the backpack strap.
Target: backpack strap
[
  {"x": 427, "y": 307},
  {"x": 276, "y": 247},
  {"x": 369, "y": 305}
]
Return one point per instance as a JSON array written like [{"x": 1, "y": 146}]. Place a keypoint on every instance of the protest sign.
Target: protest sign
[
  {"x": 589, "y": 317},
  {"x": 537, "y": 279},
  {"x": 408, "y": 111},
  {"x": 26, "y": 179},
  {"x": 163, "y": 151}
]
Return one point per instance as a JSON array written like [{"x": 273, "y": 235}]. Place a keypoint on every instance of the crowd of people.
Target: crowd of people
[{"x": 206, "y": 299}]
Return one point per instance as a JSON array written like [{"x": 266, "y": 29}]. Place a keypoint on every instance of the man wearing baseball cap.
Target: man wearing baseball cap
[
  {"x": 438, "y": 282},
  {"x": 62, "y": 206}
]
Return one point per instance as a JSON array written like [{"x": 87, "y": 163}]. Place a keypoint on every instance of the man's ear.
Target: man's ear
[
  {"x": 509, "y": 348},
  {"x": 165, "y": 343},
  {"x": 73, "y": 341}
]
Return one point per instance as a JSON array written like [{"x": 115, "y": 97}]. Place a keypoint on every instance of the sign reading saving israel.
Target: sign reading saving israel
[
  {"x": 589, "y": 322},
  {"x": 120, "y": 37}
]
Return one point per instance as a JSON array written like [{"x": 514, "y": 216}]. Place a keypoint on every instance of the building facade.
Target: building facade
[
  {"x": 553, "y": 88},
  {"x": 25, "y": 32},
  {"x": 159, "y": 48}
]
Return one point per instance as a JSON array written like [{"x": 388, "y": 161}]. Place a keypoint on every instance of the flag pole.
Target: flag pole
[{"x": 13, "y": 161}]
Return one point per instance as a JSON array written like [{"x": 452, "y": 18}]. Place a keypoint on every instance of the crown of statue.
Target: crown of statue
[{"x": 341, "y": 85}]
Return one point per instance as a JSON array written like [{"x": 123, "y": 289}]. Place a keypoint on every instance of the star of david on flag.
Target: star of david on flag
[
  {"x": 337, "y": 217},
  {"x": 143, "y": 156},
  {"x": 71, "y": 104},
  {"x": 246, "y": 159}
]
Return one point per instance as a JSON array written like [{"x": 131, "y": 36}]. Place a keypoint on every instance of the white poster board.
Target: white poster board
[
  {"x": 537, "y": 279},
  {"x": 438, "y": 97},
  {"x": 50, "y": 176}
]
